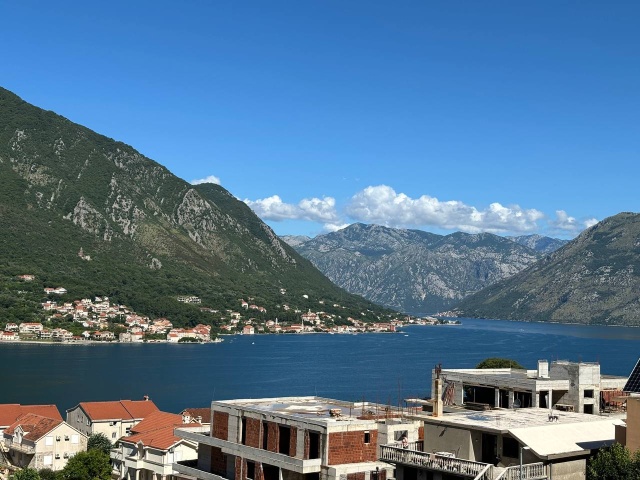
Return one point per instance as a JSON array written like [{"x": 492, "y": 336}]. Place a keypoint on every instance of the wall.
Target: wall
[
  {"x": 571, "y": 470},
  {"x": 633, "y": 424},
  {"x": 349, "y": 447},
  {"x": 220, "y": 425},
  {"x": 439, "y": 438}
]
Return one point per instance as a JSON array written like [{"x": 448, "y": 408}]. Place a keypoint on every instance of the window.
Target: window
[
  {"x": 284, "y": 440},
  {"x": 243, "y": 432},
  {"x": 251, "y": 470},
  {"x": 65, "y": 455},
  {"x": 48, "y": 441},
  {"x": 113, "y": 435},
  {"x": 88, "y": 422},
  {"x": 265, "y": 436},
  {"x": 57, "y": 456},
  {"x": 58, "y": 438},
  {"x": 66, "y": 438},
  {"x": 510, "y": 447},
  {"x": 588, "y": 394},
  {"x": 314, "y": 445},
  {"x": 47, "y": 460},
  {"x": 367, "y": 437},
  {"x": 74, "y": 438}
]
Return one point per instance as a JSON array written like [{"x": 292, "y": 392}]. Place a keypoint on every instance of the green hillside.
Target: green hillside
[
  {"x": 150, "y": 235},
  {"x": 594, "y": 279}
]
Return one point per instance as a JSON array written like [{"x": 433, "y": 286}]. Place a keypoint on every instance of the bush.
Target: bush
[{"x": 496, "y": 362}]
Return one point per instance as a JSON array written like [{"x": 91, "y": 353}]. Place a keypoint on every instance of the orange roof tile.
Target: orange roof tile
[
  {"x": 34, "y": 426},
  {"x": 10, "y": 412},
  {"x": 118, "y": 409},
  {"x": 205, "y": 413},
  {"x": 156, "y": 430}
]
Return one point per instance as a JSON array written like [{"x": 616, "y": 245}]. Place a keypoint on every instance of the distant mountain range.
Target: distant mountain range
[
  {"x": 540, "y": 243},
  {"x": 150, "y": 236},
  {"x": 595, "y": 278},
  {"x": 416, "y": 271}
]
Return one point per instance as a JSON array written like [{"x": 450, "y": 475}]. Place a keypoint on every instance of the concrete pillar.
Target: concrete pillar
[
  {"x": 535, "y": 399},
  {"x": 497, "y": 398},
  {"x": 458, "y": 394},
  {"x": 511, "y": 399},
  {"x": 437, "y": 399}
]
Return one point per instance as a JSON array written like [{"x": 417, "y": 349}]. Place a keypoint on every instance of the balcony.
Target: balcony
[
  {"x": 531, "y": 471},
  {"x": 281, "y": 460},
  {"x": 19, "y": 447},
  {"x": 435, "y": 462},
  {"x": 189, "y": 468}
]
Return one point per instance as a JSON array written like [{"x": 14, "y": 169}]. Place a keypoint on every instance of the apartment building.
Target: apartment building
[
  {"x": 40, "y": 442},
  {"x": 113, "y": 418}
]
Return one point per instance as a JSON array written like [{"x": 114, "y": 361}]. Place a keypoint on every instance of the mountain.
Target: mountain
[
  {"x": 150, "y": 236},
  {"x": 595, "y": 278},
  {"x": 413, "y": 270},
  {"x": 540, "y": 243},
  {"x": 295, "y": 240}
]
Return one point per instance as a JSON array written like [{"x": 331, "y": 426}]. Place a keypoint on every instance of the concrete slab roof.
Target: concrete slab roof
[
  {"x": 561, "y": 440},
  {"x": 505, "y": 420},
  {"x": 316, "y": 408}
]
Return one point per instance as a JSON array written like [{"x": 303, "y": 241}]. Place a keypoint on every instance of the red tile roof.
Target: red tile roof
[
  {"x": 34, "y": 426},
  {"x": 10, "y": 412},
  {"x": 156, "y": 430},
  {"x": 205, "y": 413},
  {"x": 118, "y": 409}
]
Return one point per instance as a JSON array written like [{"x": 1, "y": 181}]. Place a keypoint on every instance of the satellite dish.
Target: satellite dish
[{"x": 516, "y": 403}]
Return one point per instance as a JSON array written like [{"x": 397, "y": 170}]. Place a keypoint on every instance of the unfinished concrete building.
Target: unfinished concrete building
[
  {"x": 296, "y": 438},
  {"x": 563, "y": 385}
]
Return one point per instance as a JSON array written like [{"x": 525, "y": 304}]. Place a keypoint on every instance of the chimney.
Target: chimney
[
  {"x": 198, "y": 419},
  {"x": 146, "y": 398},
  {"x": 543, "y": 369}
]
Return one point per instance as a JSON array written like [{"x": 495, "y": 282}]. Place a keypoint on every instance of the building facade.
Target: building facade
[{"x": 295, "y": 438}]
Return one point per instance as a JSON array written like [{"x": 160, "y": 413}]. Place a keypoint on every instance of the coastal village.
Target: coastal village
[
  {"x": 100, "y": 320},
  {"x": 497, "y": 424}
]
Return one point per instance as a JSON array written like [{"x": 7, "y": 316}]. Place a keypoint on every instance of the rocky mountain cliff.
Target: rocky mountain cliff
[
  {"x": 150, "y": 236},
  {"x": 413, "y": 270},
  {"x": 540, "y": 243},
  {"x": 595, "y": 278}
]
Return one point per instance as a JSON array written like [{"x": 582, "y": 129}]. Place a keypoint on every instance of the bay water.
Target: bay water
[{"x": 382, "y": 368}]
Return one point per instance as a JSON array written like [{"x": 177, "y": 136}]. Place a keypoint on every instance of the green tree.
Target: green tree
[
  {"x": 48, "y": 474},
  {"x": 27, "y": 474},
  {"x": 496, "y": 362},
  {"x": 89, "y": 465},
  {"x": 99, "y": 441},
  {"x": 614, "y": 463}
]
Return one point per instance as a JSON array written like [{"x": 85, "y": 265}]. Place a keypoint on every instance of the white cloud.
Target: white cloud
[
  {"x": 381, "y": 204},
  {"x": 334, "y": 227},
  {"x": 569, "y": 224},
  {"x": 209, "y": 179},
  {"x": 320, "y": 210}
]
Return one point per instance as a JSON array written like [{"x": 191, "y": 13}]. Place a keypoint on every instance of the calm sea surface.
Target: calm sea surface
[{"x": 376, "y": 367}]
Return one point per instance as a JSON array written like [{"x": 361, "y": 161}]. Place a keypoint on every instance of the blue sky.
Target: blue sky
[{"x": 508, "y": 117}]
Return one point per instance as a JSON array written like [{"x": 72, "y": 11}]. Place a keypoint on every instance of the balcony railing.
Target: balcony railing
[
  {"x": 434, "y": 461},
  {"x": 188, "y": 468},
  {"x": 530, "y": 471}
]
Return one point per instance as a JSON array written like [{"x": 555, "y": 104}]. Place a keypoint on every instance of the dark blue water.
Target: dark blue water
[{"x": 376, "y": 367}]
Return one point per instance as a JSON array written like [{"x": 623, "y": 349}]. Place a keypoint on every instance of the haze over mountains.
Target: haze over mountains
[
  {"x": 150, "y": 235},
  {"x": 417, "y": 271}
]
